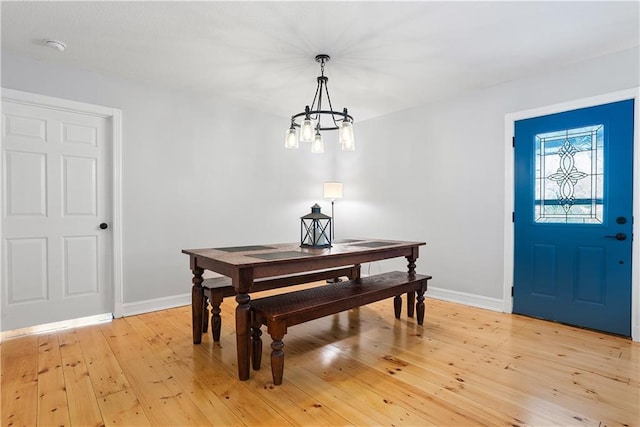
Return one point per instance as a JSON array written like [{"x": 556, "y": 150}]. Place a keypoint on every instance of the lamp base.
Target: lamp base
[{"x": 304, "y": 245}]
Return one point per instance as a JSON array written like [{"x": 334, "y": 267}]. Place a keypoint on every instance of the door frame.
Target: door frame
[
  {"x": 114, "y": 115},
  {"x": 509, "y": 190}
]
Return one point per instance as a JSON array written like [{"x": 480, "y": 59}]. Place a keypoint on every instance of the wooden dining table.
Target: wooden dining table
[{"x": 244, "y": 264}]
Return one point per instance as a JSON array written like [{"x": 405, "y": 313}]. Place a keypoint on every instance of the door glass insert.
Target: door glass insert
[{"x": 568, "y": 179}]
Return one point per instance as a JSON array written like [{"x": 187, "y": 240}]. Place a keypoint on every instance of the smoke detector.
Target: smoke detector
[{"x": 55, "y": 44}]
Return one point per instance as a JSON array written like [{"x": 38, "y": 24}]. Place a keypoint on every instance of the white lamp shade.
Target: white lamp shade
[
  {"x": 333, "y": 190},
  {"x": 306, "y": 131},
  {"x": 291, "y": 139},
  {"x": 317, "y": 146}
]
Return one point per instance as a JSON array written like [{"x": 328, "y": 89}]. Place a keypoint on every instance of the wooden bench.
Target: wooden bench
[
  {"x": 278, "y": 312},
  {"x": 217, "y": 288}
]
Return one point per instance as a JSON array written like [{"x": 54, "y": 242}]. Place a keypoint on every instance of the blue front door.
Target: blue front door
[{"x": 573, "y": 217}]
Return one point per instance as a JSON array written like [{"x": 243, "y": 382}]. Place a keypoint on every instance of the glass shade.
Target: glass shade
[
  {"x": 306, "y": 131},
  {"x": 346, "y": 137},
  {"x": 317, "y": 146},
  {"x": 291, "y": 139}
]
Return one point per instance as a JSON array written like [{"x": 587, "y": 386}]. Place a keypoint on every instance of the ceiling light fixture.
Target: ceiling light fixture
[
  {"x": 55, "y": 44},
  {"x": 312, "y": 119}
]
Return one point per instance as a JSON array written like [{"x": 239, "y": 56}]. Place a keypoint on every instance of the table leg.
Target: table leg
[
  {"x": 197, "y": 298},
  {"x": 243, "y": 338},
  {"x": 411, "y": 296}
]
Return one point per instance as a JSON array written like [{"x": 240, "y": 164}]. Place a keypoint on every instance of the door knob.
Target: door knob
[
  {"x": 618, "y": 236},
  {"x": 104, "y": 226}
]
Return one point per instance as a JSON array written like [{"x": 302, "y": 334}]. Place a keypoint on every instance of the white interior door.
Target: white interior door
[{"x": 57, "y": 260}]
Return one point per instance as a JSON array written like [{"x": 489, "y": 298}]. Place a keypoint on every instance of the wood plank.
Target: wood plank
[
  {"x": 53, "y": 409},
  {"x": 123, "y": 409},
  {"x": 162, "y": 399},
  {"x": 251, "y": 411},
  {"x": 209, "y": 403},
  {"x": 19, "y": 404},
  {"x": 365, "y": 371},
  {"x": 18, "y": 383},
  {"x": 69, "y": 343},
  {"x": 106, "y": 374},
  {"x": 144, "y": 328},
  {"x": 469, "y": 384},
  {"x": 83, "y": 405},
  {"x": 355, "y": 412},
  {"x": 20, "y": 359}
]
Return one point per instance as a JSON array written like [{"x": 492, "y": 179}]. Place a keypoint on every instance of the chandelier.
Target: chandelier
[{"x": 311, "y": 117}]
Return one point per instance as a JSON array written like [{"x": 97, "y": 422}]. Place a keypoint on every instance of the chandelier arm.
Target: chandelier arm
[
  {"x": 315, "y": 97},
  {"x": 322, "y": 81},
  {"x": 333, "y": 117}
]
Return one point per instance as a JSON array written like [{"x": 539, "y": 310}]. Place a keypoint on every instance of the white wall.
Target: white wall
[
  {"x": 436, "y": 173},
  {"x": 197, "y": 172}
]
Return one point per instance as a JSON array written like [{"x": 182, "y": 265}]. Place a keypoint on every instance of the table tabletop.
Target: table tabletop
[{"x": 286, "y": 258}]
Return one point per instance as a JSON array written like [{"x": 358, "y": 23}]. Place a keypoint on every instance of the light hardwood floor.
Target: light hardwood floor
[{"x": 464, "y": 366}]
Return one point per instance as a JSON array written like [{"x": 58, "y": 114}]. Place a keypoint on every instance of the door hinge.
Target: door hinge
[
  {"x": 512, "y": 291},
  {"x": 513, "y": 217},
  {"x": 513, "y": 141}
]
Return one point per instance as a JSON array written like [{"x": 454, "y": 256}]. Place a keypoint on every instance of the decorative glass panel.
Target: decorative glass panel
[{"x": 569, "y": 171}]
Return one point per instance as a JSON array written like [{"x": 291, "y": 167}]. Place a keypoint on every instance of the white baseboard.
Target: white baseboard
[
  {"x": 146, "y": 306},
  {"x": 56, "y": 326},
  {"x": 128, "y": 309},
  {"x": 494, "y": 304},
  {"x": 156, "y": 304}
]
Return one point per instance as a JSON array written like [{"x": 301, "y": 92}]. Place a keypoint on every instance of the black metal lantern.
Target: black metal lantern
[{"x": 315, "y": 229}]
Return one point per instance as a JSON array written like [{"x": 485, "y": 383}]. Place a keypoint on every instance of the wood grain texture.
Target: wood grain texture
[
  {"x": 19, "y": 393},
  {"x": 464, "y": 366},
  {"x": 52, "y": 394}
]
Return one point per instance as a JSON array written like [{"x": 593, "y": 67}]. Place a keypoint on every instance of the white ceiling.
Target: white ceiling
[{"x": 386, "y": 56}]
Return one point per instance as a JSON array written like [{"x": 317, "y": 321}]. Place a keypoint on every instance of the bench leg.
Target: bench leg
[
  {"x": 205, "y": 314},
  {"x": 216, "y": 320},
  {"x": 397, "y": 305},
  {"x": 411, "y": 303},
  {"x": 197, "y": 295},
  {"x": 355, "y": 272},
  {"x": 277, "y": 355},
  {"x": 411, "y": 269},
  {"x": 256, "y": 346},
  {"x": 420, "y": 307}
]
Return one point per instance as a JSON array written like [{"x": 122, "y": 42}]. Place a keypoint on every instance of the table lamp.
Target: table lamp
[{"x": 333, "y": 191}]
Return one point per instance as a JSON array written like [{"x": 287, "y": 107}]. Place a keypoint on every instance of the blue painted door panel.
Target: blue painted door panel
[{"x": 572, "y": 264}]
